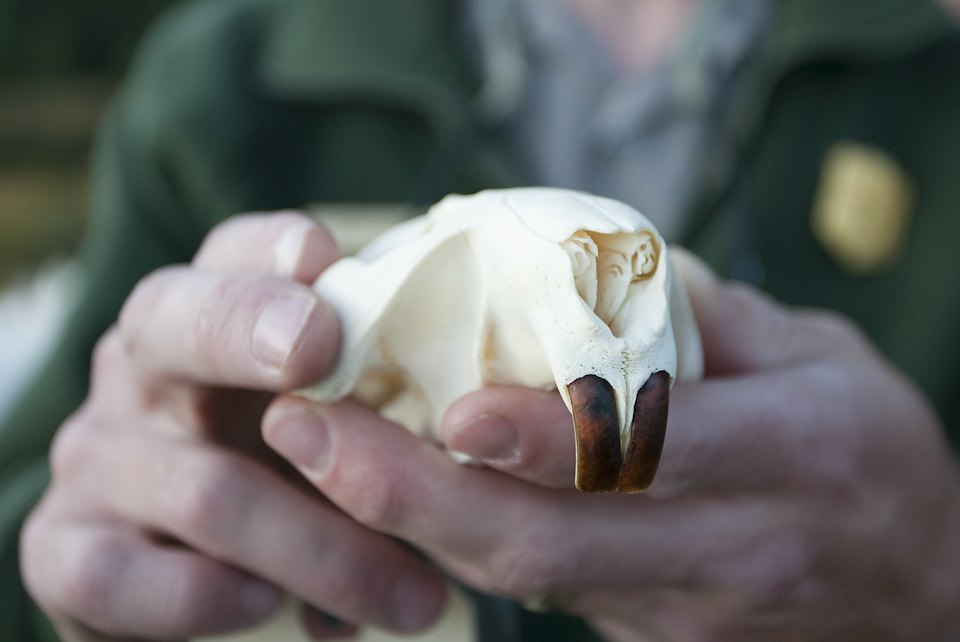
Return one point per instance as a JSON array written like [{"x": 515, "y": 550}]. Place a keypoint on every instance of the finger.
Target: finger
[
  {"x": 393, "y": 471},
  {"x": 723, "y": 435},
  {"x": 744, "y": 330},
  {"x": 245, "y": 331},
  {"x": 527, "y": 433},
  {"x": 501, "y": 534},
  {"x": 753, "y": 434},
  {"x": 287, "y": 244},
  {"x": 232, "y": 509},
  {"x": 117, "y": 583}
]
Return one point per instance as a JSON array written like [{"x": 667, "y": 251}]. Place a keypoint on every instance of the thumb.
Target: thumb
[{"x": 744, "y": 330}]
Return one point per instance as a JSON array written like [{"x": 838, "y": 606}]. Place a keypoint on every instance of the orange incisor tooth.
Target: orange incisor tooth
[
  {"x": 601, "y": 466},
  {"x": 646, "y": 434},
  {"x": 598, "y": 434}
]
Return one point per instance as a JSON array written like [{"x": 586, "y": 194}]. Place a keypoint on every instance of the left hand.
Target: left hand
[{"x": 805, "y": 492}]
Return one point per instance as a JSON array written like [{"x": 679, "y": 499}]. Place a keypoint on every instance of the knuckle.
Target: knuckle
[
  {"x": 90, "y": 577},
  {"x": 107, "y": 364},
  {"x": 221, "y": 326},
  {"x": 141, "y": 303},
  {"x": 211, "y": 499},
  {"x": 69, "y": 451},
  {"x": 376, "y": 499},
  {"x": 134, "y": 322},
  {"x": 32, "y": 550},
  {"x": 107, "y": 352},
  {"x": 537, "y": 563},
  {"x": 370, "y": 495},
  {"x": 214, "y": 315}
]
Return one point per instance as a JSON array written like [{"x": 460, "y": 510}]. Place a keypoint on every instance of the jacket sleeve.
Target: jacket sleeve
[{"x": 138, "y": 222}]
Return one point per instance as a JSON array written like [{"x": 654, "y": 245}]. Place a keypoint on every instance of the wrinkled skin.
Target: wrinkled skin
[
  {"x": 805, "y": 492},
  {"x": 167, "y": 517}
]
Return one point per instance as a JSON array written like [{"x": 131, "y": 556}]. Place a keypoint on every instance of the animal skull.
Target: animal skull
[{"x": 538, "y": 287}]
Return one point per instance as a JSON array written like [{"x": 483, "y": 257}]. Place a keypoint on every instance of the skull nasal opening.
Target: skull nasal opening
[{"x": 606, "y": 267}]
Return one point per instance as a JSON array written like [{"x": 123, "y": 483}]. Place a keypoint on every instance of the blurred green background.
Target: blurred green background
[{"x": 60, "y": 62}]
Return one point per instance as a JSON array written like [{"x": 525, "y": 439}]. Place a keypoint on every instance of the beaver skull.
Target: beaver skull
[{"x": 538, "y": 287}]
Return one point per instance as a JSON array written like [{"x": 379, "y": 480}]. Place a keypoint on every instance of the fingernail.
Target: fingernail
[
  {"x": 289, "y": 249},
  {"x": 487, "y": 437},
  {"x": 417, "y": 601},
  {"x": 303, "y": 438},
  {"x": 279, "y": 327},
  {"x": 259, "y": 599}
]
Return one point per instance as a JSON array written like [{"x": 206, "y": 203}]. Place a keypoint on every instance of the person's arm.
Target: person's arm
[{"x": 806, "y": 492}]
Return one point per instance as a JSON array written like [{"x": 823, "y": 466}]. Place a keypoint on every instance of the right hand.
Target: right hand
[{"x": 167, "y": 517}]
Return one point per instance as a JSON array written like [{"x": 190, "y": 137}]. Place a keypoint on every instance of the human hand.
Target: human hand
[
  {"x": 805, "y": 492},
  {"x": 167, "y": 517}
]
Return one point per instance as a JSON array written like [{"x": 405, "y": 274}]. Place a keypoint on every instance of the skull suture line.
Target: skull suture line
[{"x": 536, "y": 287}]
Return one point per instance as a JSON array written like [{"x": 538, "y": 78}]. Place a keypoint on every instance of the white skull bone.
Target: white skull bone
[{"x": 529, "y": 286}]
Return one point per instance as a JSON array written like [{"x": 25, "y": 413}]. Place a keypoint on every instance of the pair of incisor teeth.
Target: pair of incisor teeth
[
  {"x": 537, "y": 287},
  {"x": 602, "y": 465}
]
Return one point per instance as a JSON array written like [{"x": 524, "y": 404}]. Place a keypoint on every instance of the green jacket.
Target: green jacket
[{"x": 239, "y": 105}]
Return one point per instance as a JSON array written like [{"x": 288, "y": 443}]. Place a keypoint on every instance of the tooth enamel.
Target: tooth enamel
[{"x": 533, "y": 286}]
